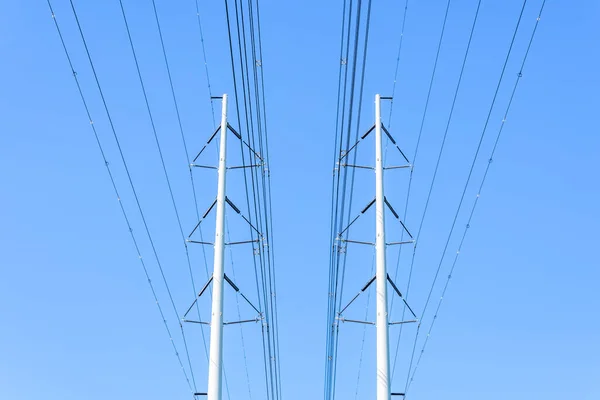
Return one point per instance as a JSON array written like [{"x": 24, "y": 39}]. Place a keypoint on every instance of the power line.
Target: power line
[
  {"x": 397, "y": 63},
  {"x": 474, "y": 206},
  {"x": 203, "y": 47},
  {"x": 232, "y": 56},
  {"x": 258, "y": 192},
  {"x": 159, "y": 148},
  {"x": 347, "y": 87},
  {"x": 410, "y": 179},
  {"x": 267, "y": 196},
  {"x": 113, "y": 183},
  {"x": 433, "y": 180},
  {"x": 475, "y": 157}
]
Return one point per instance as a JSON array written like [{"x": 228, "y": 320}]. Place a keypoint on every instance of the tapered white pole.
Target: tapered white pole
[
  {"x": 215, "y": 366},
  {"x": 383, "y": 355}
]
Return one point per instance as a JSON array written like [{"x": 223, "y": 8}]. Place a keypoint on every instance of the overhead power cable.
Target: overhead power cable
[
  {"x": 397, "y": 63},
  {"x": 480, "y": 188},
  {"x": 353, "y": 57},
  {"x": 203, "y": 47},
  {"x": 476, "y": 156},
  {"x": 410, "y": 180},
  {"x": 433, "y": 180},
  {"x": 160, "y": 153},
  {"x": 244, "y": 44},
  {"x": 114, "y": 186}
]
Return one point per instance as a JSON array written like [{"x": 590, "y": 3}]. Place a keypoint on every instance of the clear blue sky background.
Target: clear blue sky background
[{"x": 520, "y": 317}]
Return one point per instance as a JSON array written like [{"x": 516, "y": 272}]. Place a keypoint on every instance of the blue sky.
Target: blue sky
[{"x": 519, "y": 316}]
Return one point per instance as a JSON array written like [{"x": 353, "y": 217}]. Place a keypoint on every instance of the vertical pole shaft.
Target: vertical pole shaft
[
  {"x": 215, "y": 366},
  {"x": 383, "y": 355}
]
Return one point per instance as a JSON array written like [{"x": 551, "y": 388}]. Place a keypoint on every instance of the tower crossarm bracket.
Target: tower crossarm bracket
[
  {"x": 203, "y": 166},
  {"x": 399, "y": 166},
  {"x": 191, "y": 321},
  {"x": 246, "y": 166},
  {"x": 242, "y": 321},
  {"x": 357, "y": 242},
  {"x": 357, "y": 166},
  {"x": 342, "y": 319},
  {"x": 404, "y": 322}
]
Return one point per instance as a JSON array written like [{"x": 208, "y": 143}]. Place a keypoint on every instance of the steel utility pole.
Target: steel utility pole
[
  {"x": 383, "y": 355},
  {"x": 215, "y": 367},
  {"x": 382, "y": 278}
]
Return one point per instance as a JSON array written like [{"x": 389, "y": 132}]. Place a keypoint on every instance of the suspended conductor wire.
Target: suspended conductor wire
[
  {"x": 212, "y": 107},
  {"x": 397, "y": 64},
  {"x": 339, "y": 214},
  {"x": 201, "y": 33},
  {"x": 266, "y": 203},
  {"x": 359, "y": 111},
  {"x": 416, "y": 152},
  {"x": 433, "y": 180},
  {"x": 250, "y": 129},
  {"x": 475, "y": 157},
  {"x": 266, "y": 329},
  {"x": 114, "y": 186},
  {"x": 256, "y": 181},
  {"x": 477, "y": 197},
  {"x": 187, "y": 157},
  {"x": 353, "y": 172},
  {"x": 150, "y": 115},
  {"x": 408, "y": 191},
  {"x": 269, "y": 227},
  {"x": 331, "y": 325}
]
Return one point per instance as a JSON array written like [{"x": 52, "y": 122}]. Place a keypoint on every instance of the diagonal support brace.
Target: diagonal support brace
[{"x": 400, "y": 294}]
